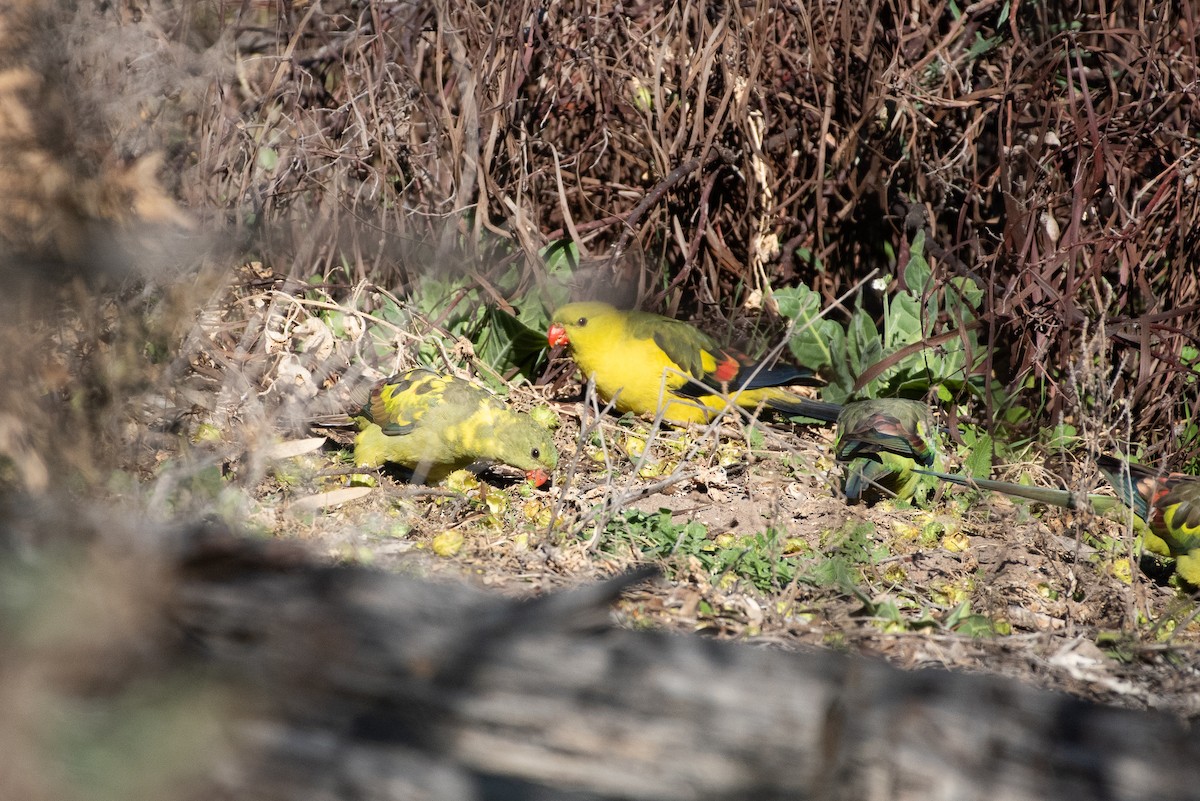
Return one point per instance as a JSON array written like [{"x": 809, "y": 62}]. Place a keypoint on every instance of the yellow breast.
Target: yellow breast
[{"x": 640, "y": 376}]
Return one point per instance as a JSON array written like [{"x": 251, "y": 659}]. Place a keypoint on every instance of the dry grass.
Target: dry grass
[{"x": 740, "y": 148}]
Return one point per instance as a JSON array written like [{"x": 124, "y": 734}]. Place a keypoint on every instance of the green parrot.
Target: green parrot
[
  {"x": 1170, "y": 505},
  {"x": 435, "y": 424},
  {"x": 879, "y": 443}
]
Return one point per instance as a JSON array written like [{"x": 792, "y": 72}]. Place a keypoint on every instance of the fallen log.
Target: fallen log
[{"x": 305, "y": 680}]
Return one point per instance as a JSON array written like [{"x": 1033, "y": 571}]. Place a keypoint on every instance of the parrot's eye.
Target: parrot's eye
[
  {"x": 535, "y": 453},
  {"x": 581, "y": 322}
]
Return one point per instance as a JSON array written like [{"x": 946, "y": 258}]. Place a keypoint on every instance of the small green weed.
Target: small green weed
[
  {"x": 757, "y": 558},
  {"x": 843, "y": 553}
]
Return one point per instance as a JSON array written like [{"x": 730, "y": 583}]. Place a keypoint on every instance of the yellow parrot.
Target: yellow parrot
[
  {"x": 435, "y": 424},
  {"x": 645, "y": 362}
]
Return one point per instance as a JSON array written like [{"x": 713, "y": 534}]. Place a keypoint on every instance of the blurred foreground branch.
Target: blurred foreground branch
[{"x": 145, "y": 661}]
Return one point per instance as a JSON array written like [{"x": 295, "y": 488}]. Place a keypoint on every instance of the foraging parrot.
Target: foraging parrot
[
  {"x": 1170, "y": 505},
  {"x": 435, "y": 424},
  {"x": 879, "y": 443},
  {"x": 646, "y": 363}
]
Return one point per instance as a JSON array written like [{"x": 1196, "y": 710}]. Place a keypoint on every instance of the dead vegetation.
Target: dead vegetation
[{"x": 744, "y": 147}]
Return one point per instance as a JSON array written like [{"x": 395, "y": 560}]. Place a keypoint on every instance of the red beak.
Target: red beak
[
  {"x": 537, "y": 477},
  {"x": 557, "y": 335}
]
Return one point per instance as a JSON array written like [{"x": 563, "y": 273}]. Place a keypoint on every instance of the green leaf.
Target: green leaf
[
  {"x": 504, "y": 341},
  {"x": 963, "y": 298},
  {"x": 836, "y": 572},
  {"x": 390, "y": 311},
  {"x": 918, "y": 276},
  {"x": 863, "y": 345},
  {"x": 561, "y": 259},
  {"x": 336, "y": 320},
  {"x": 982, "y": 45},
  {"x": 1062, "y": 436},
  {"x": 808, "y": 257},
  {"x": 811, "y": 334},
  {"x": 978, "y": 461},
  {"x": 963, "y": 621},
  {"x": 756, "y": 439},
  {"x": 841, "y": 379},
  {"x": 902, "y": 324}
]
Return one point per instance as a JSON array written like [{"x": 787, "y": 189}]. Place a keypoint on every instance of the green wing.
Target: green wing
[
  {"x": 683, "y": 343},
  {"x": 715, "y": 368},
  {"x": 880, "y": 442},
  {"x": 400, "y": 403},
  {"x": 886, "y": 425}
]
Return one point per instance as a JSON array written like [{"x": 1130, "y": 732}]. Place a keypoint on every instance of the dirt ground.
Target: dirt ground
[{"x": 966, "y": 580}]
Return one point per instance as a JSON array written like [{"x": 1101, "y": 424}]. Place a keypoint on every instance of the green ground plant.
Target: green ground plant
[
  {"x": 757, "y": 558},
  {"x": 927, "y": 339}
]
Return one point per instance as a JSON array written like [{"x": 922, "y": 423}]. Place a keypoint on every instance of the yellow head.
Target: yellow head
[{"x": 576, "y": 324}]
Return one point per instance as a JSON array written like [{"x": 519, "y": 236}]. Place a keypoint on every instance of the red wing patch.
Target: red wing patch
[
  {"x": 727, "y": 370},
  {"x": 1157, "y": 494}
]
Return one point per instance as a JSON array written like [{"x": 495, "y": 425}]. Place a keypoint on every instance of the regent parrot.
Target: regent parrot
[
  {"x": 645, "y": 363},
  {"x": 435, "y": 424},
  {"x": 1169, "y": 503},
  {"x": 879, "y": 443}
]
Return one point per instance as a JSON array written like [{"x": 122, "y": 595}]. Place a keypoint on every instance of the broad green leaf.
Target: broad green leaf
[
  {"x": 504, "y": 341},
  {"x": 964, "y": 296},
  {"x": 812, "y": 334},
  {"x": 902, "y": 325},
  {"x": 1063, "y": 435},
  {"x": 841, "y": 379},
  {"x": 863, "y": 346},
  {"x": 392, "y": 312},
  {"x": 790, "y": 300},
  {"x": 835, "y": 572},
  {"x": 978, "y": 461},
  {"x": 973, "y": 626},
  {"x": 560, "y": 257},
  {"x": 918, "y": 277}
]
